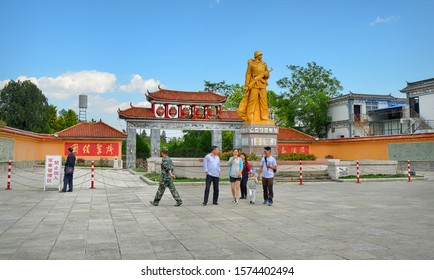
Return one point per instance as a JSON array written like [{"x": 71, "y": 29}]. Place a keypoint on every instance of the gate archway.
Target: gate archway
[{"x": 179, "y": 110}]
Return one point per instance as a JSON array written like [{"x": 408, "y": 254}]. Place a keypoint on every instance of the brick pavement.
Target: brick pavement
[{"x": 371, "y": 220}]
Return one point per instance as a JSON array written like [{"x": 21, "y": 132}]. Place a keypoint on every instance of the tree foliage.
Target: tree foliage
[
  {"x": 24, "y": 106},
  {"x": 62, "y": 121},
  {"x": 304, "y": 102}
]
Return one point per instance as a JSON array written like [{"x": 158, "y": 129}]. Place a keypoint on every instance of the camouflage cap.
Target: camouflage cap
[{"x": 165, "y": 150}]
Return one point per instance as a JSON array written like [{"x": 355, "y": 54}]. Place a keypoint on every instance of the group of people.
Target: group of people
[{"x": 241, "y": 177}]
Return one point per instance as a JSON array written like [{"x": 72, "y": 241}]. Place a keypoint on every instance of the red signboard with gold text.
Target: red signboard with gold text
[
  {"x": 286, "y": 149},
  {"x": 93, "y": 149}
]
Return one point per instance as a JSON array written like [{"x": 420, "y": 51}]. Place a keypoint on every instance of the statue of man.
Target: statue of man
[{"x": 253, "y": 107}]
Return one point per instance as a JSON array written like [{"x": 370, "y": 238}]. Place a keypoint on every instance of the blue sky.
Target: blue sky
[{"x": 114, "y": 51}]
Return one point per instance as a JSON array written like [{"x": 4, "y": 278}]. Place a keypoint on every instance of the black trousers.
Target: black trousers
[
  {"x": 67, "y": 180},
  {"x": 243, "y": 186},
  {"x": 215, "y": 186},
  {"x": 267, "y": 185}
]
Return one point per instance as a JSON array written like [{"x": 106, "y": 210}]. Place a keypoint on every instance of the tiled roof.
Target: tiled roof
[
  {"x": 186, "y": 97},
  {"x": 366, "y": 96},
  {"x": 428, "y": 83},
  {"x": 136, "y": 113},
  {"x": 91, "y": 130},
  {"x": 230, "y": 115},
  {"x": 147, "y": 113},
  {"x": 16, "y": 131},
  {"x": 290, "y": 134}
]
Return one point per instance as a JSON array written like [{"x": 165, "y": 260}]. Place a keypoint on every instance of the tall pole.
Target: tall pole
[
  {"x": 9, "y": 175},
  {"x": 92, "y": 181},
  {"x": 408, "y": 171},
  {"x": 358, "y": 172},
  {"x": 301, "y": 173}
]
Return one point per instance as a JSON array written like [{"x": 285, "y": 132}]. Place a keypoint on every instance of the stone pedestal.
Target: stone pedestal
[{"x": 254, "y": 137}]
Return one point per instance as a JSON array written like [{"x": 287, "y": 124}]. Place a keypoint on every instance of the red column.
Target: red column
[
  {"x": 9, "y": 175},
  {"x": 92, "y": 180},
  {"x": 180, "y": 111},
  {"x": 358, "y": 172},
  {"x": 193, "y": 108},
  {"x": 205, "y": 111},
  {"x": 166, "y": 111}
]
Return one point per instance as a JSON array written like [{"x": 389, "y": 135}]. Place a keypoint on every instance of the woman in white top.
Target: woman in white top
[{"x": 235, "y": 171}]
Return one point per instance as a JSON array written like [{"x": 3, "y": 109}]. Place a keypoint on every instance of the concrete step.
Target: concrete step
[{"x": 311, "y": 176}]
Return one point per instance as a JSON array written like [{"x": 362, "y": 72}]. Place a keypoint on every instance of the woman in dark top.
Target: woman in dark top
[{"x": 246, "y": 169}]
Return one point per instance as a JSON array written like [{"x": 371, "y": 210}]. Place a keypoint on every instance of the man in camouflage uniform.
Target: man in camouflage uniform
[{"x": 166, "y": 180}]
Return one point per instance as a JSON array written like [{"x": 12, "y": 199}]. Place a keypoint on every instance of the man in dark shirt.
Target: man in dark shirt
[{"x": 69, "y": 170}]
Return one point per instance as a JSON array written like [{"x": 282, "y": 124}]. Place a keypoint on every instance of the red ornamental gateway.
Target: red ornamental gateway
[
  {"x": 173, "y": 104},
  {"x": 179, "y": 110}
]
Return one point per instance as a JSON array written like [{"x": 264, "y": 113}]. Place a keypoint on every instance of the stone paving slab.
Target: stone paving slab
[{"x": 315, "y": 221}]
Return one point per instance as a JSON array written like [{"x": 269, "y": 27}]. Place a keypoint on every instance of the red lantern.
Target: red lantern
[
  {"x": 199, "y": 112},
  {"x": 212, "y": 111},
  {"x": 160, "y": 111},
  {"x": 173, "y": 111},
  {"x": 185, "y": 111}
]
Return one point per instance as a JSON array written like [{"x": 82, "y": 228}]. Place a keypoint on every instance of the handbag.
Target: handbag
[{"x": 69, "y": 170}]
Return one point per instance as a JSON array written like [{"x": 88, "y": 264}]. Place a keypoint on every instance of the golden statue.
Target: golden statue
[{"x": 253, "y": 107}]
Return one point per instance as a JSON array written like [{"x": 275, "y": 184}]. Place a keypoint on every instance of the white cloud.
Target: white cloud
[
  {"x": 137, "y": 84},
  {"x": 112, "y": 107},
  {"x": 379, "y": 20},
  {"x": 73, "y": 83},
  {"x": 3, "y": 84}
]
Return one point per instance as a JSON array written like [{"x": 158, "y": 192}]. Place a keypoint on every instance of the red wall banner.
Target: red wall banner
[
  {"x": 93, "y": 149},
  {"x": 286, "y": 149}
]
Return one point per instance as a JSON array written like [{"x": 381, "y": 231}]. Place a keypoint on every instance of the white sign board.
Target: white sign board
[{"x": 53, "y": 171}]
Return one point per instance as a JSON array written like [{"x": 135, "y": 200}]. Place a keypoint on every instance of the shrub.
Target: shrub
[
  {"x": 296, "y": 156},
  {"x": 225, "y": 155},
  {"x": 103, "y": 161},
  {"x": 81, "y": 161},
  {"x": 328, "y": 156},
  {"x": 252, "y": 156}
]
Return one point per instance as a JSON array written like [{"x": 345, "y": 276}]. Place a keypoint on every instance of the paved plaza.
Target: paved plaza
[{"x": 330, "y": 220}]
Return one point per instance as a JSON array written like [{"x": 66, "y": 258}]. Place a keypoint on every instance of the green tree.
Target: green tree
[
  {"x": 228, "y": 140},
  {"x": 304, "y": 103},
  {"x": 24, "y": 106},
  {"x": 218, "y": 87},
  {"x": 52, "y": 118},
  {"x": 143, "y": 149},
  {"x": 163, "y": 137},
  {"x": 70, "y": 118}
]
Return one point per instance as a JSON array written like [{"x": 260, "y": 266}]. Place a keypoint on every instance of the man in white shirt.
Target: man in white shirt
[
  {"x": 211, "y": 166},
  {"x": 267, "y": 167}
]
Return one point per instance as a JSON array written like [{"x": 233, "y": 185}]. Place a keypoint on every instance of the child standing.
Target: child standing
[{"x": 252, "y": 186}]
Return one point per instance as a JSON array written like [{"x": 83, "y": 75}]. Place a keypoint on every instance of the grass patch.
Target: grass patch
[
  {"x": 155, "y": 177},
  {"x": 377, "y": 176},
  {"x": 139, "y": 169}
]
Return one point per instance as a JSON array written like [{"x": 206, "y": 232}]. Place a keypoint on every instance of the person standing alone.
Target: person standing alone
[
  {"x": 69, "y": 171},
  {"x": 166, "y": 180},
  {"x": 211, "y": 166}
]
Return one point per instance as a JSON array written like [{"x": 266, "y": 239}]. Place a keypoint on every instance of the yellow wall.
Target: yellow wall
[
  {"x": 28, "y": 148},
  {"x": 367, "y": 148}
]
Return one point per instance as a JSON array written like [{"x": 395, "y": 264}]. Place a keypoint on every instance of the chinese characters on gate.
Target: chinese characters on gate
[{"x": 93, "y": 149}]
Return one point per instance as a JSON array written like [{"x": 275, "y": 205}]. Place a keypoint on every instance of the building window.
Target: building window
[{"x": 370, "y": 105}]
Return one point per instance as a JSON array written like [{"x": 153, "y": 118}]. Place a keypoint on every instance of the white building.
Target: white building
[
  {"x": 419, "y": 116},
  {"x": 356, "y": 115}
]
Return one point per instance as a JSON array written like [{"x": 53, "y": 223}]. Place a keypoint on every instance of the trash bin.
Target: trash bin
[{"x": 115, "y": 162}]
